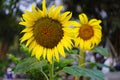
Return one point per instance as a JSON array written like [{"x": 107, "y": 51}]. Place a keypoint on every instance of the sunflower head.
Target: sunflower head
[
  {"x": 88, "y": 32},
  {"x": 47, "y": 31}
]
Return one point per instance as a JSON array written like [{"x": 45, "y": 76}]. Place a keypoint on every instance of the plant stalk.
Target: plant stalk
[
  {"x": 81, "y": 63},
  {"x": 52, "y": 70},
  {"x": 44, "y": 74},
  {"x": 82, "y": 59}
]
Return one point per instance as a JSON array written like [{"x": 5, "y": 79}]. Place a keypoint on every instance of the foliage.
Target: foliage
[
  {"x": 28, "y": 64},
  {"x": 93, "y": 64},
  {"x": 13, "y": 58},
  {"x": 77, "y": 71},
  {"x": 101, "y": 51},
  {"x": 60, "y": 65},
  {"x": 72, "y": 51},
  {"x": 3, "y": 65},
  {"x": 25, "y": 50},
  {"x": 32, "y": 67}
]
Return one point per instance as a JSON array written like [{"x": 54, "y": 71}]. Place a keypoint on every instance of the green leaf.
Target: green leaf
[
  {"x": 63, "y": 63},
  {"x": 77, "y": 71},
  {"x": 13, "y": 58},
  {"x": 28, "y": 64},
  {"x": 73, "y": 51},
  {"x": 102, "y": 65},
  {"x": 25, "y": 49},
  {"x": 101, "y": 50}
]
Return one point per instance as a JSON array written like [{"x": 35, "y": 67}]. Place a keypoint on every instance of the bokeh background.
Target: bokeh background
[{"x": 11, "y": 12}]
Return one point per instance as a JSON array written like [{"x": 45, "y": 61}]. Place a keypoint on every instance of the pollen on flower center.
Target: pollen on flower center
[
  {"x": 86, "y": 32},
  {"x": 47, "y": 32}
]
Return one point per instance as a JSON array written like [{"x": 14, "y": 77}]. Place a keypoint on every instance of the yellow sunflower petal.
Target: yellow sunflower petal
[
  {"x": 96, "y": 40},
  {"x": 30, "y": 14},
  {"x": 69, "y": 32},
  {"x": 61, "y": 50},
  {"x": 49, "y": 55},
  {"x": 63, "y": 16},
  {"x": 39, "y": 51},
  {"x": 95, "y": 23},
  {"x": 32, "y": 45},
  {"x": 44, "y": 7},
  {"x": 77, "y": 40},
  {"x": 76, "y": 32},
  {"x": 26, "y": 36},
  {"x": 40, "y": 12},
  {"x": 29, "y": 41},
  {"x": 81, "y": 44},
  {"x": 35, "y": 12},
  {"x": 67, "y": 18},
  {"x": 63, "y": 42},
  {"x": 83, "y": 18},
  {"x": 33, "y": 8},
  {"x": 26, "y": 30},
  {"x": 50, "y": 13},
  {"x": 34, "y": 50},
  {"x": 27, "y": 18},
  {"x": 56, "y": 54},
  {"x": 96, "y": 26},
  {"x": 26, "y": 24},
  {"x": 57, "y": 12},
  {"x": 98, "y": 32},
  {"x": 75, "y": 23},
  {"x": 88, "y": 45},
  {"x": 69, "y": 43},
  {"x": 68, "y": 23}
]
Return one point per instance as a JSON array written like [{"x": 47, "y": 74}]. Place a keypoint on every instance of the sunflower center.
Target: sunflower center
[
  {"x": 86, "y": 32},
  {"x": 48, "y": 32}
]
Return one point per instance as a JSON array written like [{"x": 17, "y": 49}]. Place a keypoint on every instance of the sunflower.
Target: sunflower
[
  {"x": 47, "y": 32},
  {"x": 88, "y": 33}
]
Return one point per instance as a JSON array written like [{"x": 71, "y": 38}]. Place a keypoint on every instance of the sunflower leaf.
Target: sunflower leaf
[
  {"x": 63, "y": 63},
  {"x": 93, "y": 64},
  {"x": 25, "y": 49},
  {"x": 73, "y": 51},
  {"x": 13, "y": 58},
  {"x": 101, "y": 50},
  {"x": 28, "y": 64},
  {"x": 77, "y": 71}
]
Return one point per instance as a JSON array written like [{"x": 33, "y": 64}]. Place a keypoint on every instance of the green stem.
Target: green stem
[
  {"x": 82, "y": 59},
  {"x": 81, "y": 62},
  {"x": 44, "y": 74},
  {"x": 76, "y": 78},
  {"x": 52, "y": 70}
]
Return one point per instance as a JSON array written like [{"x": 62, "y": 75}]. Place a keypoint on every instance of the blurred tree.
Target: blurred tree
[{"x": 8, "y": 24}]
